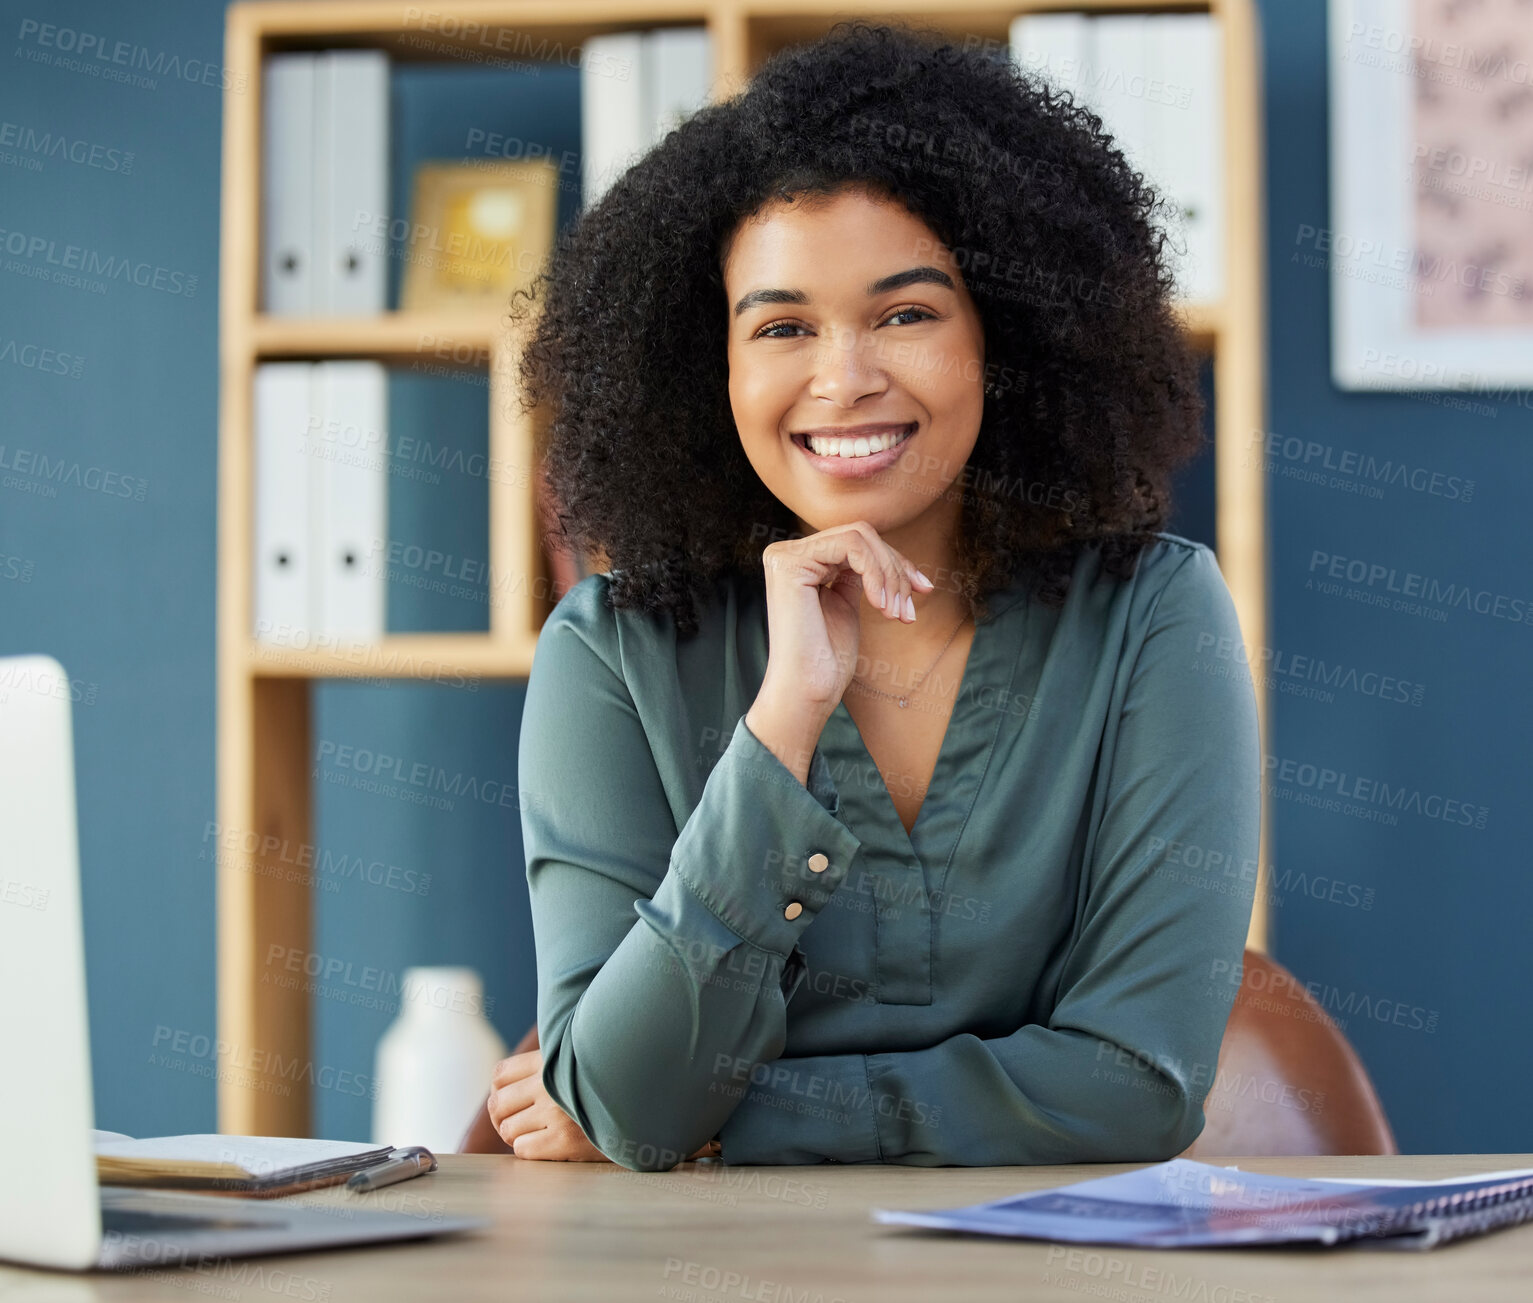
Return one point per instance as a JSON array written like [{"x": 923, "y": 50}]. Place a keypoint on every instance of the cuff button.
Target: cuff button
[
  {"x": 818, "y": 863},
  {"x": 793, "y": 911}
]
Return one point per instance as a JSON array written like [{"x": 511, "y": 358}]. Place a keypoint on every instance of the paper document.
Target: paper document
[
  {"x": 250, "y": 1155},
  {"x": 258, "y": 1165}
]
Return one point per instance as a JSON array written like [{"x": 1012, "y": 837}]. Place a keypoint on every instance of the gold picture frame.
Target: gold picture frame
[{"x": 478, "y": 232}]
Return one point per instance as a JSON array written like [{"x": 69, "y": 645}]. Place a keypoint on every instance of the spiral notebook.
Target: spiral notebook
[{"x": 1183, "y": 1204}]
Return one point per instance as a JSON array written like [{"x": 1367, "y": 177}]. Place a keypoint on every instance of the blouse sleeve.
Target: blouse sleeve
[
  {"x": 1121, "y": 1069},
  {"x": 659, "y": 955}
]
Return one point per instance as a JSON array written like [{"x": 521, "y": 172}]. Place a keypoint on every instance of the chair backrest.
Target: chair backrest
[{"x": 1288, "y": 1080}]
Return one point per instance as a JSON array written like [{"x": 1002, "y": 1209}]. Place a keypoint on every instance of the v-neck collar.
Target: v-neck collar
[
  {"x": 984, "y": 695},
  {"x": 962, "y": 757}
]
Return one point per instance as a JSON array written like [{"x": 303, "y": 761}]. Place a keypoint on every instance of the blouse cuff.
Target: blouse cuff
[{"x": 762, "y": 851}]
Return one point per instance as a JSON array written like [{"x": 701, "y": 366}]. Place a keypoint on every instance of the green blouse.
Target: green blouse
[{"x": 1040, "y": 972}]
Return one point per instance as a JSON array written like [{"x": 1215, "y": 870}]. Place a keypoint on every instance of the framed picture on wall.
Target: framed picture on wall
[
  {"x": 1430, "y": 247},
  {"x": 478, "y": 231}
]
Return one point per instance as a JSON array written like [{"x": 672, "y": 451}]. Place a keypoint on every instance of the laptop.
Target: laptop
[{"x": 53, "y": 1213}]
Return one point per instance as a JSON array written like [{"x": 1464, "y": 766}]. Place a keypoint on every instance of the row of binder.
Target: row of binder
[
  {"x": 325, "y": 154},
  {"x": 634, "y": 88},
  {"x": 1155, "y": 80},
  {"x": 322, "y": 462},
  {"x": 321, "y": 501},
  {"x": 325, "y": 162}
]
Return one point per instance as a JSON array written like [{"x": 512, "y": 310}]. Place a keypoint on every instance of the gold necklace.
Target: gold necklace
[{"x": 905, "y": 700}]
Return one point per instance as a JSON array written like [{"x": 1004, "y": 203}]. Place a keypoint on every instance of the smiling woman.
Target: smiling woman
[{"x": 846, "y": 789}]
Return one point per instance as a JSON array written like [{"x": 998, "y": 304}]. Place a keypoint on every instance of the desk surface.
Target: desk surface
[{"x": 707, "y": 1233}]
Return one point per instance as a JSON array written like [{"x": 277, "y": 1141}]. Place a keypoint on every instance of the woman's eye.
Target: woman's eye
[
  {"x": 766, "y": 331},
  {"x": 763, "y": 333}
]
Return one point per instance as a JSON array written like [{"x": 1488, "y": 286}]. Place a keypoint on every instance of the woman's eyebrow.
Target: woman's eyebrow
[{"x": 894, "y": 281}]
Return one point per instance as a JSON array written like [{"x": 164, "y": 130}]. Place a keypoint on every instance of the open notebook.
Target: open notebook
[{"x": 259, "y": 1166}]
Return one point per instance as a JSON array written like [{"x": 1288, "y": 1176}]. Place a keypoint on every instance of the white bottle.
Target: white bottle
[{"x": 435, "y": 1060}]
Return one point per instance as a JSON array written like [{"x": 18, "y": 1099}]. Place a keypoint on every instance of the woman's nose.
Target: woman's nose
[{"x": 847, "y": 365}]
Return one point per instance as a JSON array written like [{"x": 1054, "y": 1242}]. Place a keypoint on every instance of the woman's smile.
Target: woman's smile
[{"x": 859, "y": 452}]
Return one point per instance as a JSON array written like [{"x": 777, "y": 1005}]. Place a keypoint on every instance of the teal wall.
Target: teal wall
[
  {"x": 1390, "y": 923},
  {"x": 1446, "y": 927}
]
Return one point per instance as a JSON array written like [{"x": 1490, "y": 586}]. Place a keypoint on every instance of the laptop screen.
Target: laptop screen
[{"x": 49, "y": 1204}]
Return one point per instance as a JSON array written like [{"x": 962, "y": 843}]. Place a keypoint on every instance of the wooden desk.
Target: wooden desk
[{"x": 707, "y": 1233}]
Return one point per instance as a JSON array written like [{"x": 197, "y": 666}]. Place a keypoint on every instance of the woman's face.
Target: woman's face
[{"x": 846, "y": 312}]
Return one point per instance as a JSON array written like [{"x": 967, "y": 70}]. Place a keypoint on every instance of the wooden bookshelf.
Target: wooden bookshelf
[
  {"x": 263, "y": 710},
  {"x": 457, "y": 340}
]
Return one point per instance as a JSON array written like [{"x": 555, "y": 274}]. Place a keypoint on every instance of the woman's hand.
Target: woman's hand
[
  {"x": 528, "y": 1119},
  {"x": 814, "y": 588}
]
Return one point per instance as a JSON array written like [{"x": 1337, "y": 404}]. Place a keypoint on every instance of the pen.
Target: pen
[{"x": 400, "y": 1165}]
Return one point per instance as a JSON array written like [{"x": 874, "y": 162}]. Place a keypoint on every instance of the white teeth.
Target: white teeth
[{"x": 859, "y": 447}]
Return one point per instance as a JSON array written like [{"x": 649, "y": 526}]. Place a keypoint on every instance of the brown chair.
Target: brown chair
[{"x": 1288, "y": 1081}]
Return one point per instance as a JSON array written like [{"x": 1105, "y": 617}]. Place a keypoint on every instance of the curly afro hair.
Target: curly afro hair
[{"x": 1096, "y": 401}]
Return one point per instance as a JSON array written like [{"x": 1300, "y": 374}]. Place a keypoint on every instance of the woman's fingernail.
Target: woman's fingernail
[
  {"x": 882, "y": 602},
  {"x": 925, "y": 580},
  {"x": 910, "y": 607}
]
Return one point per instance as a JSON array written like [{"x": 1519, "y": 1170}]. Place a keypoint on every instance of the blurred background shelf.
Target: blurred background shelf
[
  {"x": 452, "y": 339},
  {"x": 463, "y": 656}
]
